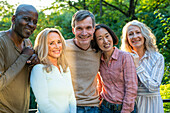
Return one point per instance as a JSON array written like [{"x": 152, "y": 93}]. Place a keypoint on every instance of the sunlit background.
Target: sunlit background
[{"x": 39, "y": 4}]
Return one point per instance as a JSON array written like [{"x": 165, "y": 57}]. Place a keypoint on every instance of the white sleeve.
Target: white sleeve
[
  {"x": 153, "y": 81},
  {"x": 72, "y": 99},
  {"x": 40, "y": 89}
]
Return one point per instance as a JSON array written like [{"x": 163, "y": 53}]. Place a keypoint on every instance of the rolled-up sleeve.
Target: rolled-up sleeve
[
  {"x": 6, "y": 76},
  {"x": 152, "y": 76}
]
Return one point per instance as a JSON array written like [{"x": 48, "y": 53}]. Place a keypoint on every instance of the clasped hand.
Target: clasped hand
[
  {"x": 33, "y": 59},
  {"x": 135, "y": 57}
]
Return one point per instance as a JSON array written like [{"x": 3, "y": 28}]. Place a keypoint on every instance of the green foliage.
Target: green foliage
[
  {"x": 165, "y": 94},
  {"x": 165, "y": 44},
  {"x": 6, "y": 11},
  {"x": 33, "y": 103}
]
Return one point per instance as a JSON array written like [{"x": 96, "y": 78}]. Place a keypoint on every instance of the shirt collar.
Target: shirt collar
[
  {"x": 146, "y": 54},
  {"x": 115, "y": 54}
]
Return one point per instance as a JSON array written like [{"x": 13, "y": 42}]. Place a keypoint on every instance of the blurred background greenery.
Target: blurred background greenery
[{"x": 114, "y": 13}]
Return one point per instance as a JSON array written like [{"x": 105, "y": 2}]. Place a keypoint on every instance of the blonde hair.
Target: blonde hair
[
  {"x": 150, "y": 39},
  {"x": 41, "y": 48}
]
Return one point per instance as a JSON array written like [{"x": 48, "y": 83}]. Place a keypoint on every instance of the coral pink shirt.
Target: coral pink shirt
[{"x": 119, "y": 80}]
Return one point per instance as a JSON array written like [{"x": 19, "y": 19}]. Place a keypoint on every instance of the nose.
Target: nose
[
  {"x": 57, "y": 45},
  {"x": 135, "y": 35},
  {"x": 84, "y": 32},
  {"x": 31, "y": 24},
  {"x": 105, "y": 40}
]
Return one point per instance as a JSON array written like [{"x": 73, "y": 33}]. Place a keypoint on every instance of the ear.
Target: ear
[
  {"x": 94, "y": 29},
  {"x": 73, "y": 31},
  {"x": 13, "y": 19}
]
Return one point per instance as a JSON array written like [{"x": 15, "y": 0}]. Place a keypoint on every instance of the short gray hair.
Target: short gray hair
[{"x": 81, "y": 15}]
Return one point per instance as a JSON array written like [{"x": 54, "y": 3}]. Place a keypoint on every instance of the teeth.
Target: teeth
[
  {"x": 28, "y": 30},
  {"x": 107, "y": 45},
  {"x": 84, "y": 37}
]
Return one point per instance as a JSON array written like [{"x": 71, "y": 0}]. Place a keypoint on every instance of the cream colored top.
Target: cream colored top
[
  {"x": 84, "y": 66},
  {"x": 53, "y": 91}
]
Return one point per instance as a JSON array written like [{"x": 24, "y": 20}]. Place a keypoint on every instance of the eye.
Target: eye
[
  {"x": 26, "y": 19},
  {"x": 59, "y": 41},
  {"x": 51, "y": 43},
  {"x": 130, "y": 34},
  {"x": 78, "y": 28},
  {"x": 35, "y": 22},
  {"x": 89, "y": 27},
  {"x": 107, "y": 36},
  {"x": 100, "y": 38},
  {"x": 138, "y": 32}
]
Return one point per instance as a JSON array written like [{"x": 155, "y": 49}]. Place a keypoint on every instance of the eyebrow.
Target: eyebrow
[{"x": 106, "y": 33}]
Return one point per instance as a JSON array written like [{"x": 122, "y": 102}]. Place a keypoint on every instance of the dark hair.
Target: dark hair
[
  {"x": 94, "y": 44},
  {"x": 81, "y": 15},
  {"x": 23, "y": 7}
]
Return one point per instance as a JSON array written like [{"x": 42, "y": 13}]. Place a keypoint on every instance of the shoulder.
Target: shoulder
[
  {"x": 124, "y": 53},
  {"x": 4, "y": 40},
  {"x": 69, "y": 41},
  {"x": 38, "y": 67},
  {"x": 156, "y": 55},
  {"x": 37, "y": 71},
  {"x": 70, "y": 45},
  {"x": 2, "y": 33},
  {"x": 2, "y": 36}
]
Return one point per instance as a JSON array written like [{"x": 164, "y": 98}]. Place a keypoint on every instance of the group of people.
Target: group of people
[{"x": 86, "y": 74}]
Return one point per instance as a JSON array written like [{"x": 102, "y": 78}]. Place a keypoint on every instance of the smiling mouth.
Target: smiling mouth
[
  {"x": 135, "y": 42},
  {"x": 107, "y": 46},
  {"x": 84, "y": 37},
  {"x": 57, "y": 51},
  {"x": 28, "y": 31}
]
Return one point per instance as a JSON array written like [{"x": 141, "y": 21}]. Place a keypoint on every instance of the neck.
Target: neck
[
  {"x": 14, "y": 37},
  {"x": 18, "y": 41},
  {"x": 53, "y": 61},
  {"x": 140, "y": 51},
  {"x": 108, "y": 54},
  {"x": 84, "y": 47}
]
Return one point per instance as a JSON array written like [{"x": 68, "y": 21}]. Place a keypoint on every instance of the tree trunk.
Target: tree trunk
[{"x": 101, "y": 13}]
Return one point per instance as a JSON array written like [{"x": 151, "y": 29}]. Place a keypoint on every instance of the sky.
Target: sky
[{"x": 39, "y": 4}]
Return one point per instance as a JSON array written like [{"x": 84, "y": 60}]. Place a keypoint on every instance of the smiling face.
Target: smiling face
[
  {"x": 104, "y": 40},
  {"x": 25, "y": 22},
  {"x": 83, "y": 32},
  {"x": 54, "y": 46},
  {"x": 135, "y": 37}
]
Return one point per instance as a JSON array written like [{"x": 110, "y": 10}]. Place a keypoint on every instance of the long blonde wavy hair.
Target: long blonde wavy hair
[
  {"x": 41, "y": 49},
  {"x": 150, "y": 39}
]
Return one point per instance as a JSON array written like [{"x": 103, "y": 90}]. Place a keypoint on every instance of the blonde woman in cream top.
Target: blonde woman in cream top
[{"x": 51, "y": 80}]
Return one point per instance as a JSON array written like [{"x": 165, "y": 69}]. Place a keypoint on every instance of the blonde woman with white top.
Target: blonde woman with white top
[{"x": 51, "y": 80}]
